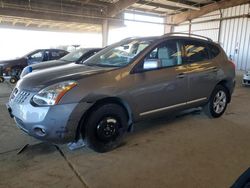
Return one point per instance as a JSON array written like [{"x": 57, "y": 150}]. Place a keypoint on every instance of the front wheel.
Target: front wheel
[
  {"x": 106, "y": 127},
  {"x": 217, "y": 103}
]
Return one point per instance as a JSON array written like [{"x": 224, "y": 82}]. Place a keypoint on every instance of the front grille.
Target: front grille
[
  {"x": 13, "y": 93},
  {"x": 21, "y": 97}
]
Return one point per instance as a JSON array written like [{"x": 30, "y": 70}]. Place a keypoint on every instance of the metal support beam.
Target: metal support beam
[
  {"x": 168, "y": 28},
  {"x": 174, "y": 4},
  {"x": 219, "y": 34},
  {"x": 189, "y": 15},
  {"x": 37, "y": 14},
  {"x": 190, "y": 27},
  {"x": 118, "y": 7},
  {"x": 105, "y": 33}
]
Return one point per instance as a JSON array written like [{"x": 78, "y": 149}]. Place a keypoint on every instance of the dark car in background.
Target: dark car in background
[
  {"x": 14, "y": 67},
  {"x": 77, "y": 56}
]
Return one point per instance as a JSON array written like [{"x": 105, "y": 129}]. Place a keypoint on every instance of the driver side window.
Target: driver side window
[
  {"x": 167, "y": 54},
  {"x": 37, "y": 56}
]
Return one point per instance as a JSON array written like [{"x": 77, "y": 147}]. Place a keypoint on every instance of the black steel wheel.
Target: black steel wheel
[
  {"x": 108, "y": 129},
  {"x": 105, "y": 128}
]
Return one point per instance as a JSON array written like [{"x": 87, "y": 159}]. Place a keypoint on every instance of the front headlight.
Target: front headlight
[{"x": 51, "y": 95}]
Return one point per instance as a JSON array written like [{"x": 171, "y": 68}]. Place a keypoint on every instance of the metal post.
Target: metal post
[
  {"x": 105, "y": 33},
  {"x": 168, "y": 28},
  {"x": 219, "y": 34},
  {"x": 190, "y": 27}
]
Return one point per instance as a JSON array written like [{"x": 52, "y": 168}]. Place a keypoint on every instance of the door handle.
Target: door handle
[{"x": 180, "y": 75}]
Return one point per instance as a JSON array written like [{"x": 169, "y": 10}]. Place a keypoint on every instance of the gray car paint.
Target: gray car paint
[{"x": 144, "y": 94}]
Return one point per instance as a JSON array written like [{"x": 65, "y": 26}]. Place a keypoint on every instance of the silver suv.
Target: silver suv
[{"x": 134, "y": 79}]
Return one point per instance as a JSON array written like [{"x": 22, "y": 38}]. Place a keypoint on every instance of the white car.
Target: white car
[{"x": 246, "y": 78}]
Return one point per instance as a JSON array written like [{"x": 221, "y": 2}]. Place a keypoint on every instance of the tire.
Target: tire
[
  {"x": 106, "y": 127},
  {"x": 1, "y": 79},
  {"x": 13, "y": 80},
  {"x": 217, "y": 103}
]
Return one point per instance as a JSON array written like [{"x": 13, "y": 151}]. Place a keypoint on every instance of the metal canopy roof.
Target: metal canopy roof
[{"x": 85, "y": 15}]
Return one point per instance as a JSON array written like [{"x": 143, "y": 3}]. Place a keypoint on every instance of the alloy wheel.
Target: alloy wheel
[{"x": 219, "y": 102}]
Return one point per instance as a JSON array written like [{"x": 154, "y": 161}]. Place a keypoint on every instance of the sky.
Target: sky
[{"x": 17, "y": 42}]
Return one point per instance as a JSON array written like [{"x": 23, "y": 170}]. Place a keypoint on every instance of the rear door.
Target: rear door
[{"x": 202, "y": 69}]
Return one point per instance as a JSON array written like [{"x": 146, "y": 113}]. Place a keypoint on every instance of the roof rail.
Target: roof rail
[{"x": 187, "y": 34}]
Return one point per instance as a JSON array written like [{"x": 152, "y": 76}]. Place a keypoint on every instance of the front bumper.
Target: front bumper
[
  {"x": 56, "y": 124},
  {"x": 246, "y": 79}
]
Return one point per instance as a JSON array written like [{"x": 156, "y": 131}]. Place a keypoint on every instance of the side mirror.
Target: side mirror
[{"x": 151, "y": 64}]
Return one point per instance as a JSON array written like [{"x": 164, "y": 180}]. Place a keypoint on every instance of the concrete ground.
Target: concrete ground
[{"x": 188, "y": 150}]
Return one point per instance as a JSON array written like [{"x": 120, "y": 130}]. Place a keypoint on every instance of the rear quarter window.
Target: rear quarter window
[
  {"x": 195, "y": 51},
  {"x": 56, "y": 54},
  {"x": 214, "y": 51}
]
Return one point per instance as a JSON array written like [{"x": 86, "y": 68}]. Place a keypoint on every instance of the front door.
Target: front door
[{"x": 162, "y": 83}]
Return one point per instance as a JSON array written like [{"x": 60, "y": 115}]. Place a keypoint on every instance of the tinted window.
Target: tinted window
[
  {"x": 214, "y": 50},
  {"x": 46, "y": 56},
  {"x": 195, "y": 51},
  {"x": 37, "y": 56},
  {"x": 167, "y": 54},
  {"x": 89, "y": 54},
  {"x": 55, "y": 55}
]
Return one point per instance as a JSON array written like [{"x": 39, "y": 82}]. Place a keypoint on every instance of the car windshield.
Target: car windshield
[
  {"x": 74, "y": 56},
  {"x": 119, "y": 54}
]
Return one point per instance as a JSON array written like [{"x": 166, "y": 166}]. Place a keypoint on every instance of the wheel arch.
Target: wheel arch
[
  {"x": 100, "y": 102},
  {"x": 226, "y": 84}
]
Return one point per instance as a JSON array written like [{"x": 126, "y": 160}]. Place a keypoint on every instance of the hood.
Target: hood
[
  {"x": 35, "y": 81},
  {"x": 10, "y": 63},
  {"x": 48, "y": 64}
]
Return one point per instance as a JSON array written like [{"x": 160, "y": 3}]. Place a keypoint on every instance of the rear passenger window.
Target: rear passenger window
[
  {"x": 214, "y": 50},
  {"x": 55, "y": 55},
  {"x": 195, "y": 52}
]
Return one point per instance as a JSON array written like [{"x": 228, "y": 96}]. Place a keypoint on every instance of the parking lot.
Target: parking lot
[{"x": 187, "y": 150}]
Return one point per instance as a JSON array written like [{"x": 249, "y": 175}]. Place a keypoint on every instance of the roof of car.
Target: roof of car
[{"x": 172, "y": 35}]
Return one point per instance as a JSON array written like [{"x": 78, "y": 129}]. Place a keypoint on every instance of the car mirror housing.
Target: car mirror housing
[{"x": 151, "y": 64}]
